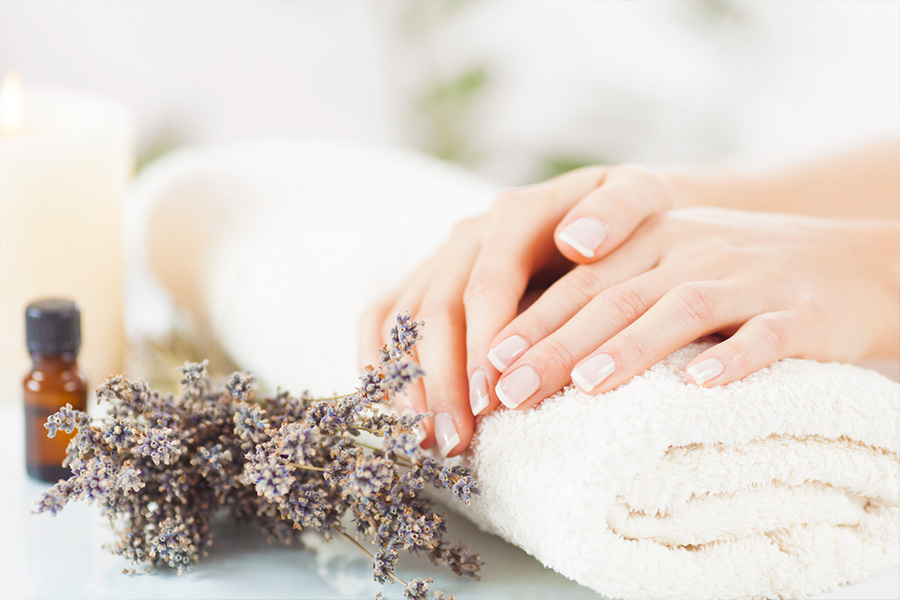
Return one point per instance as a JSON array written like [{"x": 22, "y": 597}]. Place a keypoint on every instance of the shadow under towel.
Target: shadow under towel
[{"x": 781, "y": 485}]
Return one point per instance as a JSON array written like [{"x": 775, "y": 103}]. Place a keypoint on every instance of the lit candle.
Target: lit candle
[{"x": 66, "y": 158}]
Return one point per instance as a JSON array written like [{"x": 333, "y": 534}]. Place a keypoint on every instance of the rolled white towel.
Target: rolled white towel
[
  {"x": 781, "y": 485},
  {"x": 278, "y": 245}
]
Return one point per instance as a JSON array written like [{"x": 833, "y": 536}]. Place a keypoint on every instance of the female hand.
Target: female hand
[
  {"x": 471, "y": 287},
  {"x": 779, "y": 285}
]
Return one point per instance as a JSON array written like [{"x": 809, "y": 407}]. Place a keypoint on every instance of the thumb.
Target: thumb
[{"x": 609, "y": 214}]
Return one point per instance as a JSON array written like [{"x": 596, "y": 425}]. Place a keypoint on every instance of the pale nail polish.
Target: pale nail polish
[
  {"x": 506, "y": 352},
  {"x": 479, "y": 397},
  {"x": 445, "y": 432},
  {"x": 516, "y": 387},
  {"x": 593, "y": 371},
  {"x": 585, "y": 235},
  {"x": 419, "y": 429},
  {"x": 705, "y": 370}
]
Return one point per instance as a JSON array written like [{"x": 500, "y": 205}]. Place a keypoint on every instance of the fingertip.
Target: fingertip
[
  {"x": 504, "y": 398},
  {"x": 479, "y": 391},
  {"x": 507, "y": 351},
  {"x": 425, "y": 437},
  {"x": 591, "y": 374},
  {"x": 582, "y": 253},
  {"x": 581, "y": 240},
  {"x": 495, "y": 361},
  {"x": 520, "y": 388},
  {"x": 452, "y": 433},
  {"x": 581, "y": 384},
  {"x": 704, "y": 371}
]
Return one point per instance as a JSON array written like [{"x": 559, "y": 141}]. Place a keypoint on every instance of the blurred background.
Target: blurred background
[
  {"x": 512, "y": 90},
  {"x": 515, "y": 90}
]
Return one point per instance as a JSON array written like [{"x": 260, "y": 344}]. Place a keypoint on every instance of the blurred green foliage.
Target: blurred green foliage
[
  {"x": 166, "y": 138},
  {"x": 557, "y": 165},
  {"x": 447, "y": 107}
]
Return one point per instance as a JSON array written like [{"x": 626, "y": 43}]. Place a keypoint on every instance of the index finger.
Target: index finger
[
  {"x": 515, "y": 244},
  {"x": 610, "y": 213}
]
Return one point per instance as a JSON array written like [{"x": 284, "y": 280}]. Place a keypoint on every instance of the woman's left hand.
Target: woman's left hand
[{"x": 779, "y": 286}]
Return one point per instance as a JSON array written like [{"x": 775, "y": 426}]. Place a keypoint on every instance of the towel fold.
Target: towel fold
[{"x": 781, "y": 485}]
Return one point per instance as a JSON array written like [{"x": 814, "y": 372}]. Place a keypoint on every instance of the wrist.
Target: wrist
[
  {"x": 884, "y": 254},
  {"x": 740, "y": 190},
  {"x": 870, "y": 252}
]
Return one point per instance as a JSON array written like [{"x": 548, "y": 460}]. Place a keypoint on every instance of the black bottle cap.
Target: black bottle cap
[{"x": 53, "y": 326}]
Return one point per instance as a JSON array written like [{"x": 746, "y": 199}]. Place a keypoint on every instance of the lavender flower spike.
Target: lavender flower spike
[{"x": 161, "y": 467}]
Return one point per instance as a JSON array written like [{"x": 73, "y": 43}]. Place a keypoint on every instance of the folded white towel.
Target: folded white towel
[{"x": 781, "y": 485}]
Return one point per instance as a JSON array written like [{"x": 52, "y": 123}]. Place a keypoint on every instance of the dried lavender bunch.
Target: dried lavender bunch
[{"x": 162, "y": 466}]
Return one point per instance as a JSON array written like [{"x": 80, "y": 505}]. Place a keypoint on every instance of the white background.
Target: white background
[{"x": 655, "y": 82}]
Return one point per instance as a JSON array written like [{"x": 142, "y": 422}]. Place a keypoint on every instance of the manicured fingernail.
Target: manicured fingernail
[
  {"x": 705, "y": 370},
  {"x": 506, "y": 352},
  {"x": 518, "y": 386},
  {"x": 593, "y": 371},
  {"x": 445, "y": 432},
  {"x": 419, "y": 429},
  {"x": 479, "y": 397},
  {"x": 585, "y": 235}
]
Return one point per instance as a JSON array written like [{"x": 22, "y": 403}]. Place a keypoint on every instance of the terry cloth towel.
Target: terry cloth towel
[{"x": 781, "y": 485}]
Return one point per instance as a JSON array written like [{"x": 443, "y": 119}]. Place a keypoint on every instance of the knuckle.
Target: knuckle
[
  {"x": 733, "y": 354},
  {"x": 810, "y": 304},
  {"x": 696, "y": 302},
  {"x": 775, "y": 332},
  {"x": 479, "y": 286},
  {"x": 644, "y": 175},
  {"x": 740, "y": 356},
  {"x": 653, "y": 184},
  {"x": 614, "y": 206},
  {"x": 628, "y": 302},
  {"x": 583, "y": 282},
  {"x": 439, "y": 316},
  {"x": 555, "y": 356},
  {"x": 535, "y": 324},
  {"x": 485, "y": 285},
  {"x": 637, "y": 349}
]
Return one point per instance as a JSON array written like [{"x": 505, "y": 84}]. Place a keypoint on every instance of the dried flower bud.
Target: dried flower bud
[
  {"x": 161, "y": 467},
  {"x": 65, "y": 419},
  {"x": 240, "y": 386}
]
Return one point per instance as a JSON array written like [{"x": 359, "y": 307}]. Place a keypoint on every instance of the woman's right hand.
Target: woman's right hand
[{"x": 472, "y": 286}]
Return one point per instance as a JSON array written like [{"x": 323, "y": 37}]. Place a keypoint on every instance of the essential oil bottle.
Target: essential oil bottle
[{"x": 53, "y": 337}]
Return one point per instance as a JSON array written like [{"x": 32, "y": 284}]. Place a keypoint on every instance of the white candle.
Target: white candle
[{"x": 66, "y": 158}]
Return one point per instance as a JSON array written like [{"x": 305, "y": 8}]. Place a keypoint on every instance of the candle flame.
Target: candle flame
[{"x": 12, "y": 104}]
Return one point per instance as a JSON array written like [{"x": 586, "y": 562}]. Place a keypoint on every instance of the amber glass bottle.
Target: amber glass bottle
[{"x": 53, "y": 337}]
